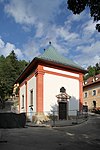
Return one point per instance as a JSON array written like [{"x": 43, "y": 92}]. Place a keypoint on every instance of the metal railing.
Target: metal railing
[{"x": 52, "y": 118}]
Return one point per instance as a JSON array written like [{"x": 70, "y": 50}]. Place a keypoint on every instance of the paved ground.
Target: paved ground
[{"x": 81, "y": 136}]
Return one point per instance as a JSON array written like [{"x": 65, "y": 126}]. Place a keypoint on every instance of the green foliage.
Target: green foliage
[
  {"x": 77, "y": 6},
  {"x": 92, "y": 71},
  {"x": 10, "y": 69},
  {"x": 97, "y": 68}
]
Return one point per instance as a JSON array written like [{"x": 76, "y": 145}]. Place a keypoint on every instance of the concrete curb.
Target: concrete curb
[{"x": 73, "y": 123}]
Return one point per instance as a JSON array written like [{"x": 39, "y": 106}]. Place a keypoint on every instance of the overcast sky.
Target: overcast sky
[{"x": 27, "y": 26}]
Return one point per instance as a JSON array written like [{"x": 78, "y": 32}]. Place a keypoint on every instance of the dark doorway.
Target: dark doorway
[
  {"x": 62, "y": 110},
  {"x": 94, "y": 104}
]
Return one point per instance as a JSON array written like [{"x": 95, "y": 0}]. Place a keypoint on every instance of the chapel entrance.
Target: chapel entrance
[
  {"x": 62, "y": 110},
  {"x": 63, "y": 99}
]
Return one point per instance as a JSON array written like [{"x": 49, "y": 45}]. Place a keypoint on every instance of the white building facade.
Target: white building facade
[{"x": 41, "y": 81}]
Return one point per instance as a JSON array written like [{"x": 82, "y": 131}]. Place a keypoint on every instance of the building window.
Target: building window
[
  {"x": 94, "y": 92},
  {"x": 31, "y": 97},
  {"x": 85, "y": 94},
  {"x": 22, "y": 101}
]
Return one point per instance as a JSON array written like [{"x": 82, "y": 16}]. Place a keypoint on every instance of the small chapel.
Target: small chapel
[{"x": 50, "y": 83}]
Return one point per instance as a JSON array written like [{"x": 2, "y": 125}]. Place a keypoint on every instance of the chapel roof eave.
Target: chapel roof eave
[
  {"x": 26, "y": 71},
  {"x": 33, "y": 64},
  {"x": 60, "y": 65}
]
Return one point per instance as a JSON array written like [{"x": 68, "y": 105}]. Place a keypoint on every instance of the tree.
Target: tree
[
  {"x": 92, "y": 71},
  {"x": 77, "y": 6},
  {"x": 97, "y": 68},
  {"x": 2, "y": 80},
  {"x": 10, "y": 69}
]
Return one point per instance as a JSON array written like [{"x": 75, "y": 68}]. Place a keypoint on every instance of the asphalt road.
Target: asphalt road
[{"x": 85, "y": 136}]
